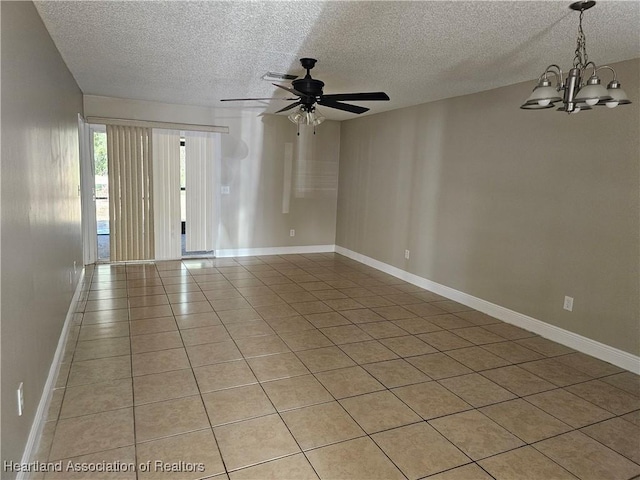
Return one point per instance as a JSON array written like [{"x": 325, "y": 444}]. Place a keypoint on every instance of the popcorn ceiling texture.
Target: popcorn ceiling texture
[{"x": 196, "y": 53}]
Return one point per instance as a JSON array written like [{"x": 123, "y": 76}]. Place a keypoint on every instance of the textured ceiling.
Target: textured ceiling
[{"x": 200, "y": 52}]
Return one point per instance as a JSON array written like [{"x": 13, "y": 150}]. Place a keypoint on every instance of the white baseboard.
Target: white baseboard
[
  {"x": 250, "y": 252},
  {"x": 586, "y": 345},
  {"x": 43, "y": 406}
]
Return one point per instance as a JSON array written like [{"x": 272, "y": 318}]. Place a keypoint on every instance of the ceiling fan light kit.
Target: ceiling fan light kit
[
  {"x": 309, "y": 92},
  {"x": 574, "y": 93}
]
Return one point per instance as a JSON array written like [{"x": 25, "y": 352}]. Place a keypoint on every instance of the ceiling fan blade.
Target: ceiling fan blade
[
  {"x": 288, "y": 107},
  {"x": 247, "y": 99},
  {"x": 291, "y": 90},
  {"x": 367, "y": 96},
  {"x": 342, "y": 106}
]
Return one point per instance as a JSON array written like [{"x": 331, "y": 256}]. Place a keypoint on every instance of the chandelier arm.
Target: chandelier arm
[
  {"x": 615, "y": 78},
  {"x": 593, "y": 65},
  {"x": 558, "y": 74}
]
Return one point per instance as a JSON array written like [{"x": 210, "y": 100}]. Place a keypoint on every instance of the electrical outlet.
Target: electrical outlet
[
  {"x": 568, "y": 303},
  {"x": 20, "y": 399},
  {"x": 75, "y": 267},
  {"x": 292, "y": 233},
  {"x": 226, "y": 190},
  {"x": 406, "y": 254}
]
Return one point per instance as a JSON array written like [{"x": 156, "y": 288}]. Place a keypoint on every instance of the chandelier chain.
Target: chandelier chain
[{"x": 581, "y": 59}]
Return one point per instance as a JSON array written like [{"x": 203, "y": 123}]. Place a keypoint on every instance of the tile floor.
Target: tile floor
[{"x": 315, "y": 366}]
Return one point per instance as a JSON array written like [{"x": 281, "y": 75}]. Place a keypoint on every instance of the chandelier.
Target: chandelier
[
  {"x": 575, "y": 93},
  {"x": 306, "y": 115}
]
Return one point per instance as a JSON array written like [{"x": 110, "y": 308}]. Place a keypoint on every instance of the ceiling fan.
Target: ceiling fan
[{"x": 308, "y": 93}]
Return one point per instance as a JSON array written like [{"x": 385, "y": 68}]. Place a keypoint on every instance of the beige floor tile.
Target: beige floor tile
[
  {"x": 407, "y": 346},
  {"x": 101, "y": 348},
  {"x": 341, "y": 304},
  {"x": 525, "y": 421},
  {"x": 588, "y": 364},
  {"x": 396, "y": 373},
  {"x": 92, "y": 433},
  {"x": 319, "y": 425},
  {"x": 477, "y": 318},
  {"x": 276, "y": 311},
  {"x": 431, "y": 400},
  {"x": 202, "y": 335},
  {"x": 448, "y": 321},
  {"x": 368, "y": 352},
  {"x": 619, "y": 435},
  {"x": 254, "y": 441},
  {"x": 186, "y": 297},
  {"x": 241, "y": 315},
  {"x": 347, "y": 382},
  {"x": 569, "y": 408},
  {"x": 394, "y": 312},
  {"x": 105, "y": 294},
  {"x": 466, "y": 472},
  {"x": 345, "y": 334},
  {"x": 224, "y": 375},
  {"x": 211, "y": 353},
  {"x": 296, "y": 392},
  {"x": 101, "y": 369},
  {"x": 363, "y": 315},
  {"x": 633, "y": 417},
  {"x": 104, "y": 330},
  {"x": 274, "y": 367},
  {"x": 586, "y": 458},
  {"x": 478, "y": 335},
  {"x": 160, "y": 361},
  {"x": 379, "y": 411},
  {"x": 195, "y": 320},
  {"x": 373, "y": 302},
  {"x": 144, "y": 291},
  {"x": 544, "y": 346},
  {"x": 379, "y": 330},
  {"x": 148, "y": 301},
  {"x": 171, "y": 417},
  {"x": 510, "y": 332},
  {"x": 627, "y": 381},
  {"x": 249, "y": 329},
  {"x": 55, "y": 404},
  {"x": 524, "y": 463},
  {"x": 293, "y": 324},
  {"x": 124, "y": 458},
  {"x": 322, "y": 359},
  {"x": 512, "y": 352},
  {"x": 358, "y": 459},
  {"x": 263, "y": 345},
  {"x": 194, "y": 307},
  {"x": 264, "y": 300},
  {"x": 555, "y": 372},
  {"x": 438, "y": 365},
  {"x": 106, "y": 304},
  {"x": 423, "y": 309},
  {"x": 140, "y": 313},
  {"x": 96, "y": 398},
  {"x": 419, "y": 450},
  {"x": 327, "y": 319},
  {"x": 153, "y": 325},
  {"x": 155, "y": 341},
  {"x": 606, "y": 396},
  {"x": 477, "y": 359},
  {"x": 296, "y": 297},
  {"x": 477, "y": 390},
  {"x": 308, "y": 308},
  {"x": 235, "y": 404},
  {"x": 198, "y": 448},
  {"x": 517, "y": 380},
  {"x": 475, "y": 434},
  {"x": 329, "y": 294},
  {"x": 305, "y": 340},
  {"x": 164, "y": 386},
  {"x": 444, "y": 340},
  {"x": 416, "y": 325},
  {"x": 235, "y": 303},
  {"x": 292, "y": 467}
]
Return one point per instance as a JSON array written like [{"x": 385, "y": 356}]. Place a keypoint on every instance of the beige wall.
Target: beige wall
[
  {"x": 41, "y": 235},
  {"x": 516, "y": 207},
  {"x": 253, "y": 167}
]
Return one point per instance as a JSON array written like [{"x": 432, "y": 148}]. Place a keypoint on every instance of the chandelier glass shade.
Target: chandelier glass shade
[
  {"x": 573, "y": 92},
  {"x": 306, "y": 116}
]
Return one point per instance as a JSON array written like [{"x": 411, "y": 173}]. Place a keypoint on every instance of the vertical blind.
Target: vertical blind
[
  {"x": 166, "y": 194},
  {"x": 130, "y": 193},
  {"x": 199, "y": 184}
]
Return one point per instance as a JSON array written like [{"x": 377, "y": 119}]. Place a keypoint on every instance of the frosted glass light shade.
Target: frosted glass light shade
[
  {"x": 543, "y": 96},
  {"x": 592, "y": 93}
]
